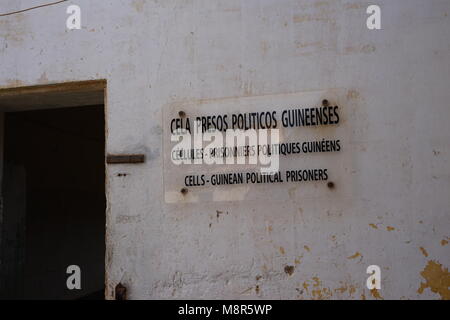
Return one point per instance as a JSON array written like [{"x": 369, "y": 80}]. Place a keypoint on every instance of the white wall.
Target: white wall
[{"x": 153, "y": 53}]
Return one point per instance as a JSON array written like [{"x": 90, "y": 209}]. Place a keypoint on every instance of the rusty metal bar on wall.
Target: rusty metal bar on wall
[{"x": 125, "y": 158}]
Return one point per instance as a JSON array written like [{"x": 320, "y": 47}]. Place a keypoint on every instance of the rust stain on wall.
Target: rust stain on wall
[
  {"x": 257, "y": 289},
  {"x": 289, "y": 270},
  {"x": 437, "y": 279},
  {"x": 356, "y": 255},
  {"x": 424, "y": 252},
  {"x": 321, "y": 293},
  {"x": 346, "y": 288},
  {"x": 353, "y": 5},
  {"x": 376, "y": 294},
  {"x": 316, "y": 291}
]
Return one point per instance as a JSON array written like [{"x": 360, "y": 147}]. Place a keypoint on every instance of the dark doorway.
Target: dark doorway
[{"x": 53, "y": 203}]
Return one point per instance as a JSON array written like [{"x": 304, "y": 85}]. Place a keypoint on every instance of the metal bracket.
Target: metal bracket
[{"x": 125, "y": 158}]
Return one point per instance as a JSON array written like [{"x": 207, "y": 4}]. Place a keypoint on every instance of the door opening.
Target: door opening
[{"x": 53, "y": 203}]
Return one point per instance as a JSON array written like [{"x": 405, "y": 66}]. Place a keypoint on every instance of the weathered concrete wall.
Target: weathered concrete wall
[{"x": 154, "y": 53}]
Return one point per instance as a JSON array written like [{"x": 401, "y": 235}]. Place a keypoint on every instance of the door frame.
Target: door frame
[{"x": 54, "y": 96}]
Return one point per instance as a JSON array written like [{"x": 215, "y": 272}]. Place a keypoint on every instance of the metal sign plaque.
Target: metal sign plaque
[{"x": 257, "y": 148}]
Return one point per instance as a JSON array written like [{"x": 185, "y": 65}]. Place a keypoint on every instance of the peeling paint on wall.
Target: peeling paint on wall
[{"x": 437, "y": 279}]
